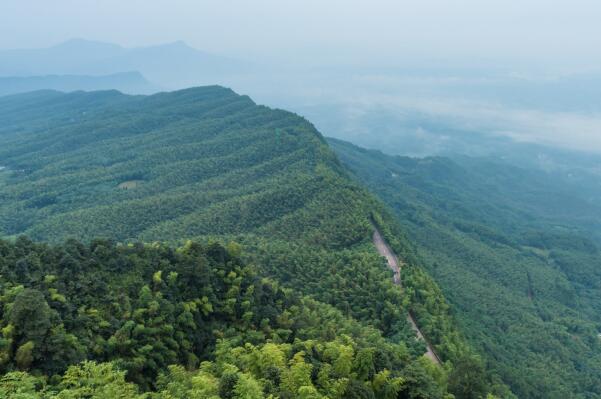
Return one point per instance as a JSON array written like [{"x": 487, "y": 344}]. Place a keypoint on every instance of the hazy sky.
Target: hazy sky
[
  {"x": 534, "y": 37},
  {"x": 545, "y": 33}
]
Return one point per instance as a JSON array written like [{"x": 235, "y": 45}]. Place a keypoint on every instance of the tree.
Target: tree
[
  {"x": 31, "y": 316},
  {"x": 99, "y": 381},
  {"x": 468, "y": 379},
  {"x": 20, "y": 385},
  {"x": 298, "y": 375},
  {"x": 247, "y": 388},
  {"x": 24, "y": 356}
]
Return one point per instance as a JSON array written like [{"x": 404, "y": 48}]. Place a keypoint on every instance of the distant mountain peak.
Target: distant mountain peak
[
  {"x": 179, "y": 43},
  {"x": 128, "y": 82},
  {"x": 172, "y": 64},
  {"x": 78, "y": 42}
]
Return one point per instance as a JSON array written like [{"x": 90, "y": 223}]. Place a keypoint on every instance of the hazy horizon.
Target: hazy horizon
[
  {"x": 314, "y": 199},
  {"x": 528, "y": 71},
  {"x": 558, "y": 35}
]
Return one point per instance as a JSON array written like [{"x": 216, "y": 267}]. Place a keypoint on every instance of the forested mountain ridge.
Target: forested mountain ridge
[
  {"x": 107, "y": 148},
  {"x": 524, "y": 287},
  {"x": 208, "y": 164}
]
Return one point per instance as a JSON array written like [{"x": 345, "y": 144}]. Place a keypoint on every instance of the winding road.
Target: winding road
[{"x": 395, "y": 266}]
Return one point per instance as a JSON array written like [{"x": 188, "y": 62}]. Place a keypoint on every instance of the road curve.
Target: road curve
[{"x": 395, "y": 266}]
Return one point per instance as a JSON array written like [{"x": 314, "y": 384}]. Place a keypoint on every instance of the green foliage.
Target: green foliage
[
  {"x": 24, "y": 355},
  {"x": 506, "y": 247},
  {"x": 217, "y": 330},
  {"x": 208, "y": 165},
  {"x": 91, "y": 380},
  {"x": 20, "y": 385}
]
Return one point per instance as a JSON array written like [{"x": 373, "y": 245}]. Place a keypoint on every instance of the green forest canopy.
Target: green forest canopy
[
  {"x": 525, "y": 288},
  {"x": 209, "y": 164},
  {"x": 194, "y": 316}
]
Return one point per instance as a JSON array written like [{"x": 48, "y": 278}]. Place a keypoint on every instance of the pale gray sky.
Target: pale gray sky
[
  {"x": 544, "y": 33},
  {"x": 532, "y": 38}
]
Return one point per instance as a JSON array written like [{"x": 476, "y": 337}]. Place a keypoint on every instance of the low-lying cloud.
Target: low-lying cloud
[{"x": 374, "y": 105}]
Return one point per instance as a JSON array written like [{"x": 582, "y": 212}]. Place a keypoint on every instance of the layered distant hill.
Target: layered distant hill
[
  {"x": 127, "y": 82},
  {"x": 170, "y": 65}
]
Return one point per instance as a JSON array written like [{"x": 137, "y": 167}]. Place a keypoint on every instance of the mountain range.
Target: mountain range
[
  {"x": 231, "y": 232},
  {"x": 206, "y": 187},
  {"x": 168, "y": 65},
  {"x": 126, "y": 82}
]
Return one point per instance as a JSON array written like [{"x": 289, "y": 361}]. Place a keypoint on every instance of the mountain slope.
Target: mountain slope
[
  {"x": 206, "y": 163},
  {"x": 109, "y": 160},
  {"x": 524, "y": 287}
]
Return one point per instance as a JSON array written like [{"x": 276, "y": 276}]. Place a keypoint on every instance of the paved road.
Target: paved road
[{"x": 395, "y": 265}]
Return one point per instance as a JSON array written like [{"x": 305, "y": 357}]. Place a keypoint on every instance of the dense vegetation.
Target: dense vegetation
[
  {"x": 210, "y": 165},
  {"x": 187, "y": 321},
  {"x": 510, "y": 252}
]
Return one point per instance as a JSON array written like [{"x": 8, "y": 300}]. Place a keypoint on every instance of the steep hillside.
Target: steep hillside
[
  {"x": 172, "y": 165},
  {"x": 209, "y": 164},
  {"x": 525, "y": 286}
]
